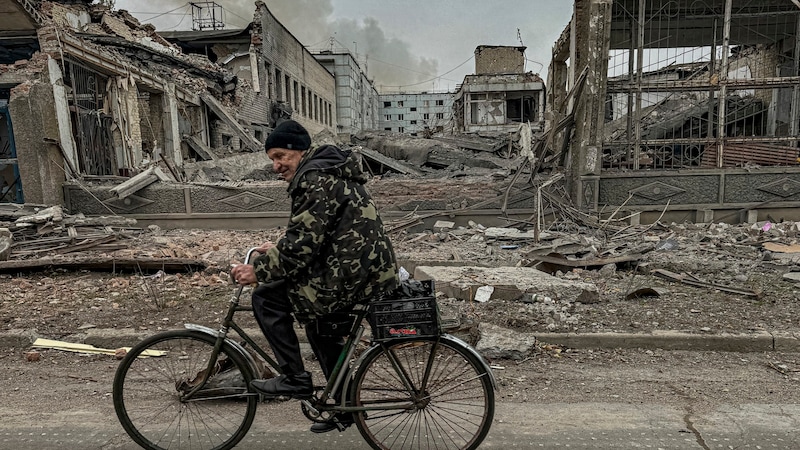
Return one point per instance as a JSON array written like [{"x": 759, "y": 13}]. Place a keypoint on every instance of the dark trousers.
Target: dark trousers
[{"x": 273, "y": 312}]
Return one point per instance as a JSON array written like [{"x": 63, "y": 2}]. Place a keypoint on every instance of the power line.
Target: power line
[
  {"x": 164, "y": 13},
  {"x": 435, "y": 78},
  {"x": 243, "y": 18},
  {"x": 179, "y": 22}
]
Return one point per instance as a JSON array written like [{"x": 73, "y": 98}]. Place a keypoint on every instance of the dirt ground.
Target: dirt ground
[{"x": 58, "y": 302}]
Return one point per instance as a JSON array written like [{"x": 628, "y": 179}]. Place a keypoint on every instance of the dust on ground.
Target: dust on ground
[{"x": 57, "y": 303}]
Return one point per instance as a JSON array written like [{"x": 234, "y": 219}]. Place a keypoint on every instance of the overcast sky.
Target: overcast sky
[{"x": 409, "y": 45}]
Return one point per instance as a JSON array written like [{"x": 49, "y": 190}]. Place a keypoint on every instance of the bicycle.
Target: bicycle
[{"x": 190, "y": 388}]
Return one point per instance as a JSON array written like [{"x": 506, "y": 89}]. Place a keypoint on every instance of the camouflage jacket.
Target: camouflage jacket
[{"x": 335, "y": 252}]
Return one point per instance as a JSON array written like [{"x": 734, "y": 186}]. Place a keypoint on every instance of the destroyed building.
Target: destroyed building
[
  {"x": 95, "y": 106},
  {"x": 686, "y": 110},
  {"x": 500, "y": 95}
]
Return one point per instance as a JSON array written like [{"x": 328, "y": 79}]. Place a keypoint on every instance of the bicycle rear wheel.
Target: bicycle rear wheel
[
  {"x": 149, "y": 393},
  {"x": 423, "y": 394}
]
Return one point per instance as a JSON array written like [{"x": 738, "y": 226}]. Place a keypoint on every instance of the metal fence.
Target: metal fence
[{"x": 702, "y": 84}]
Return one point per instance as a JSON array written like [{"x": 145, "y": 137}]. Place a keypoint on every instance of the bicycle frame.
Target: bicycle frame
[{"x": 342, "y": 374}]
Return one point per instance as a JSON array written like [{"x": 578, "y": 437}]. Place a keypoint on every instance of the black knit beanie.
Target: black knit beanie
[{"x": 290, "y": 135}]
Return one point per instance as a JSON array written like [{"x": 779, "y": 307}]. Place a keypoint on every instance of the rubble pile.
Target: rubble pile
[{"x": 490, "y": 281}]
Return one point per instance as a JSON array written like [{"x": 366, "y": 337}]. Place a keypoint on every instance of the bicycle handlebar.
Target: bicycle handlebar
[{"x": 249, "y": 254}]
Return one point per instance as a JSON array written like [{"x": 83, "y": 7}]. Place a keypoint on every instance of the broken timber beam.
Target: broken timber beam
[
  {"x": 694, "y": 281},
  {"x": 199, "y": 147},
  {"x": 392, "y": 163},
  {"x": 249, "y": 141}
]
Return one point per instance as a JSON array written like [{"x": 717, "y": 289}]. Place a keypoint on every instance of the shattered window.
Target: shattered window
[
  {"x": 387, "y": 104},
  {"x": 278, "y": 84}
]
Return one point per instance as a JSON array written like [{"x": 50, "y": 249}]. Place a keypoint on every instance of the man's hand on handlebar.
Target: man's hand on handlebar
[{"x": 243, "y": 274}]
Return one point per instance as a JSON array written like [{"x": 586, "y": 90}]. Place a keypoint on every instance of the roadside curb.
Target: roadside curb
[
  {"x": 676, "y": 340},
  {"x": 664, "y": 340}
]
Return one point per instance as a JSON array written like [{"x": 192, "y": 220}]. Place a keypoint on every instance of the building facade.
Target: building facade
[
  {"x": 291, "y": 75},
  {"x": 417, "y": 113},
  {"x": 356, "y": 97}
]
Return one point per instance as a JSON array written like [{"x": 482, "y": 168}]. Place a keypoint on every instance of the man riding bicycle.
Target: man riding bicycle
[{"x": 334, "y": 254}]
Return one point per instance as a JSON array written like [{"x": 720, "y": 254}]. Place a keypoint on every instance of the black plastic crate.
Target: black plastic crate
[{"x": 412, "y": 317}]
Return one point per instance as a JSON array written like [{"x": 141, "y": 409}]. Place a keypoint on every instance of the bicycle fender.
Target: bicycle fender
[{"x": 237, "y": 347}]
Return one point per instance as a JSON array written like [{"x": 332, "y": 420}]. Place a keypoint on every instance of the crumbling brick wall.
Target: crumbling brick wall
[
  {"x": 499, "y": 59},
  {"x": 222, "y": 136}
]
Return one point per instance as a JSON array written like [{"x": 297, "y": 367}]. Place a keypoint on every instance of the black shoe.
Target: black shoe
[
  {"x": 338, "y": 422},
  {"x": 297, "y": 386}
]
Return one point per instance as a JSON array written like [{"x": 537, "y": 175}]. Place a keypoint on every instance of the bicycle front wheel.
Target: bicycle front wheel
[
  {"x": 423, "y": 394},
  {"x": 151, "y": 386}
]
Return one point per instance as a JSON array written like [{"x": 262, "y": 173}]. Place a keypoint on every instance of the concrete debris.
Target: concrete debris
[
  {"x": 508, "y": 283},
  {"x": 6, "y": 239},
  {"x": 499, "y": 342},
  {"x": 51, "y": 214}
]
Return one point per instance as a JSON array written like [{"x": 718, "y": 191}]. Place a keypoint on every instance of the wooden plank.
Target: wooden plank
[
  {"x": 87, "y": 244},
  {"x": 105, "y": 263},
  {"x": 86, "y": 348}
]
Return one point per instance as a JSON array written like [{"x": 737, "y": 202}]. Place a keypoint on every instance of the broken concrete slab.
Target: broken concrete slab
[
  {"x": 510, "y": 283},
  {"x": 499, "y": 342},
  {"x": 398, "y": 166},
  {"x": 511, "y": 234},
  {"x": 135, "y": 183},
  {"x": 236, "y": 167},
  {"x": 51, "y": 214}
]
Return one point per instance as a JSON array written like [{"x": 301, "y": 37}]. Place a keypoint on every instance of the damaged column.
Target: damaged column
[
  {"x": 172, "y": 135},
  {"x": 592, "y": 53}
]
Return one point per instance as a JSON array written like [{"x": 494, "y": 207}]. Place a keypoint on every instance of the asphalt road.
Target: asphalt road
[
  {"x": 597, "y": 400},
  {"x": 556, "y": 426}
]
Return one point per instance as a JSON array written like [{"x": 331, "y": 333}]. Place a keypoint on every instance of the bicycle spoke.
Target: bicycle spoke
[
  {"x": 449, "y": 388},
  {"x": 148, "y": 394}
]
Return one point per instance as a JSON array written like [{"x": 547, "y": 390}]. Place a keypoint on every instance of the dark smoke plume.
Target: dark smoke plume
[{"x": 387, "y": 60}]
